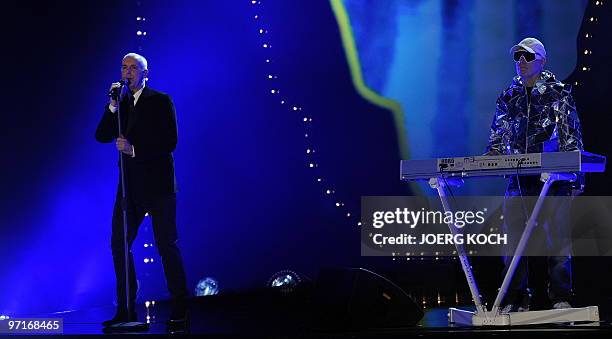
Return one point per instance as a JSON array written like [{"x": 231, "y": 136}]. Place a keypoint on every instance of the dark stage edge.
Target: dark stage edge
[{"x": 433, "y": 324}]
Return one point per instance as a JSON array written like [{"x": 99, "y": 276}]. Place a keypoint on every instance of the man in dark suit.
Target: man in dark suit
[{"x": 146, "y": 142}]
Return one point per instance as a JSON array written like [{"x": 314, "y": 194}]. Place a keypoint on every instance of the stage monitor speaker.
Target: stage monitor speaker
[{"x": 358, "y": 298}]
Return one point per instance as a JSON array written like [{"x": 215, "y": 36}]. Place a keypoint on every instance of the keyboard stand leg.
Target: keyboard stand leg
[
  {"x": 456, "y": 315},
  {"x": 520, "y": 248}
]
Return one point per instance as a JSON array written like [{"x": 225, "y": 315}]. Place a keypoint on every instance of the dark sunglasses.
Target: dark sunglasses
[{"x": 529, "y": 57}]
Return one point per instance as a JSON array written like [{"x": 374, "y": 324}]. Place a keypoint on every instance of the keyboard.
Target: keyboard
[{"x": 503, "y": 165}]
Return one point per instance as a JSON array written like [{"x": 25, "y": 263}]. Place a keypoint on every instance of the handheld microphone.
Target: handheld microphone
[{"x": 114, "y": 92}]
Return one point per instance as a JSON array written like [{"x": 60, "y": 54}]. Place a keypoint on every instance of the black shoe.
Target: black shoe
[{"x": 120, "y": 317}]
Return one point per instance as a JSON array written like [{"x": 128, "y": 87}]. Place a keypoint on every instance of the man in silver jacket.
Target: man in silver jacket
[{"x": 536, "y": 114}]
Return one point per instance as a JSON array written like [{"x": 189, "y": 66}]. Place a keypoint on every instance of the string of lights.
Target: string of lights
[
  {"x": 587, "y": 39},
  {"x": 312, "y": 162},
  {"x": 326, "y": 187}
]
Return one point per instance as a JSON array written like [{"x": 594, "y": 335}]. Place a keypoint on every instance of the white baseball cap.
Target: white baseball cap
[{"x": 531, "y": 45}]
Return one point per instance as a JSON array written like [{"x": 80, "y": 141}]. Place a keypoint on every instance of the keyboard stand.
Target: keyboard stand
[{"x": 493, "y": 317}]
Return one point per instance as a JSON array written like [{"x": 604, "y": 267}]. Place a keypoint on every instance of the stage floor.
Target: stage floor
[{"x": 433, "y": 324}]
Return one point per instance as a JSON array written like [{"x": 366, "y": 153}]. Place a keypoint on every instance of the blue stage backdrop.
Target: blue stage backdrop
[{"x": 248, "y": 203}]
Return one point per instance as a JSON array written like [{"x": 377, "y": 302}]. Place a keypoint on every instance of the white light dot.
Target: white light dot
[
  {"x": 267, "y": 60},
  {"x": 586, "y": 51},
  {"x": 318, "y": 179},
  {"x": 328, "y": 191},
  {"x": 147, "y": 303},
  {"x": 151, "y": 259},
  {"x": 311, "y": 165},
  {"x": 584, "y": 68},
  {"x": 139, "y": 33},
  {"x": 144, "y": 19},
  {"x": 265, "y": 45},
  {"x": 261, "y": 31},
  {"x": 359, "y": 223},
  {"x": 269, "y": 76},
  {"x": 305, "y": 119},
  {"x": 282, "y": 102},
  {"x": 306, "y": 135},
  {"x": 295, "y": 108},
  {"x": 348, "y": 214},
  {"x": 337, "y": 204},
  {"x": 308, "y": 151},
  {"x": 138, "y": 18},
  {"x": 146, "y": 260},
  {"x": 256, "y": 16},
  {"x": 272, "y": 91},
  {"x": 144, "y": 33},
  {"x": 146, "y": 245},
  {"x": 592, "y": 19}
]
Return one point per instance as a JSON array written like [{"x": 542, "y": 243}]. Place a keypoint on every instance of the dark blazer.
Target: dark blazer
[{"x": 151, "y": 129}]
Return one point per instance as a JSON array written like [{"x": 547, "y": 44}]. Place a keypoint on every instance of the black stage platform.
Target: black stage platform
[
  {"x": 264, "y": 314},
  {"x": 434, "y": 324}
]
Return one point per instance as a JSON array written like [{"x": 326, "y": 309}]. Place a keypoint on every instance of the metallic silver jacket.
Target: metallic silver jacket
[{"x": 549, "y": 124}]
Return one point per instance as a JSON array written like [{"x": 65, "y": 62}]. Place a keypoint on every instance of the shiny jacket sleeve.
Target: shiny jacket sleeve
[
  {"x": 568, "y": 125},
  {"x": 569, "y": 132},
  {"x": 500, "y": 128}
]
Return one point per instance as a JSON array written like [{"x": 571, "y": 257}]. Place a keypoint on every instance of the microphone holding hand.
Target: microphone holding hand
[{"x": 117, "y": 91}]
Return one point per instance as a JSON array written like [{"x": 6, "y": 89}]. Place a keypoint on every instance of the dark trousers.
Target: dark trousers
[
  {"x": 551, "y": 236},
  {"x": 162, "y": 210}
]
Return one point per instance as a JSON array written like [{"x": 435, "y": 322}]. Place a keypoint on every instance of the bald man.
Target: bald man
[{"x": 147, "y": 139}]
